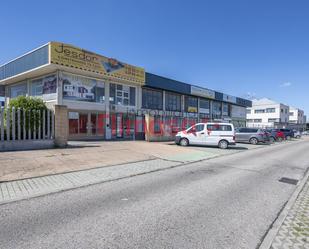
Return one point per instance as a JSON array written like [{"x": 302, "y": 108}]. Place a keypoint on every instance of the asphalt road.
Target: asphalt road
[{"x": 227, "y": 202}]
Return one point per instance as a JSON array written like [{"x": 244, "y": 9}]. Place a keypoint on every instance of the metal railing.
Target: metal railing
[{"x": 20, "y": 124}]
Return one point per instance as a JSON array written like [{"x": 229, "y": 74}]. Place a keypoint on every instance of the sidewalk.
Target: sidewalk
[
  {"x": 38, "y": 186},
  {"x": 294, "y": 231}
]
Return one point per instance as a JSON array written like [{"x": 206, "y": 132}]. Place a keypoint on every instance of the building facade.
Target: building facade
[
  {"x": 266, "y": 113},
  {"x": 109, "y": 99},
  {"x": 296, "y": 116}
]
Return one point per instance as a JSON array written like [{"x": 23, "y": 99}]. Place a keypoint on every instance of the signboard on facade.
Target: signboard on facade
[
  {"x": 202, "y": 92},
  {"x": 70, "y": 56},
  {"x": 229, "y": 98}
]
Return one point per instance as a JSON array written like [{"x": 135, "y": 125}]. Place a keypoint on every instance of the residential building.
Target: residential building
[
  {"x": 109, "y": 99},
  {"x": 266, "y": 113}
]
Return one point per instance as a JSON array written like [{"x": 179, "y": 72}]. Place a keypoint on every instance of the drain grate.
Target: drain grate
[{"x": 288, "y": 180}]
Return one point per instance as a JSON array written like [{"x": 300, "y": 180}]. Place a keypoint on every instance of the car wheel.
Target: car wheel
[
  {"x": 272, "y": 139},
  {"x": 253, "y": 141},
  {"x": 288, "y": 137},
  {"x": 184, "y": 142},
  {"x": 298, "y": 137},
  {"x": 223, "y": 144},
  {"x": 279, "y": 139}
]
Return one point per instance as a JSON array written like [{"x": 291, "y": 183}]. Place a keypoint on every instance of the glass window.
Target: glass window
[
  {"x": 18, "y": 90},
  {"x": 270, "y": 110},
  {"x": 205, "y": 104},
  {"x": 172, "y": 102},
  {"x": 191, "y": 104},
  {"x": 100, "y": 92},
  {"x": 37, "y": 87},
  {"x": 122, "y": 95},
  {"x": 217, "y": 127},
  {"x": 259, "y": 111},
  {"x": 248, "y": 111},
  {"x": 152, "y": 99},
  {"x": 225, "y": 109},
  {"x": 217, "y": 108}
]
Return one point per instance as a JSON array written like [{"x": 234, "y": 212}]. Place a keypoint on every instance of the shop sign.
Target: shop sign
[
  {"x": 70, "y": 56},
  {"x": 229, "y": 98},
  {"x": 192, "y": 109},
  {"x": 73, "y": 115},
  {"x": 202, "y": 92}
]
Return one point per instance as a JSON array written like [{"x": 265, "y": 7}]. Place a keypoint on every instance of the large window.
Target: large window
[
  {"x": 152, "y": 99},
  {"x": 259, "y": 111},
  {"x": 42, "y": 86},
  {"x": 172, "y": 102},
  {"x": 216, "y": 108},
  {"x": 82, "y": 89},
  {"x": 122, "y": 95},
  {"x": 270, "y": 110},
  {"x": 204, "y": 106},
  {"x": 18, "y": 90},
  {"x": 191, "y": 104},
  {"x": 225, "y": 109}
]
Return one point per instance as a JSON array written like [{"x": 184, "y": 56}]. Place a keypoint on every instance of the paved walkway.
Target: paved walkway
[
  {"x": 32, "y": 187},
  {"x": 294, "y": 232}
]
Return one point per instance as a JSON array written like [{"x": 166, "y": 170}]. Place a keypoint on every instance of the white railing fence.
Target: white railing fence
[{"x": 20, "y": 124}]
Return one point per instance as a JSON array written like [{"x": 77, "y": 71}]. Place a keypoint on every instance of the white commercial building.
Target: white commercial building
[
  {"x": 296, "y": 116},
  {"x": 266, "y": 113}
]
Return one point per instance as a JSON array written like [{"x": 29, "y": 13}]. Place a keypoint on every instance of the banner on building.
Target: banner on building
[
  {"x": 202, "y": 92},
  {"x": 70, "y": 56}
]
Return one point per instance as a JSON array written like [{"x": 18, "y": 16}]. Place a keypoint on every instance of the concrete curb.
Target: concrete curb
[{"x": 275, "y": 227}]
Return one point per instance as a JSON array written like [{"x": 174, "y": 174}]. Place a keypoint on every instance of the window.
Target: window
[
  {"x": 18, "y": 90},
  {"x": 257, "y": 120},
  {"x": 196, "y": 128},
  {"x": 248, "y": 111},
  {"x": 37, "y": 87},
  {"x": 172, "y": 102},
  {"x": 217, "y": 127},
  {"x": 216, "y": 108},
  {"x": 281, "y": 110},
  {"x": 286, "y": 111},
  {"x": 100, "y": 92},
  {"x": 270, "y": 110},
  {"x": 259, "y": 111},
  {"x": 191, "y": 104},
  {"x": 225, "y": 109},
  {"x": 272, "y": 120},
  {"x": 122, "y": 95},
  {"x": 152, "y": 99},
  {"x": 249, "y": 120}
]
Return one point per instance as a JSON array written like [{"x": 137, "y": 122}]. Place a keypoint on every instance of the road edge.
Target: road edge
[{"x": 276, "y": 225}]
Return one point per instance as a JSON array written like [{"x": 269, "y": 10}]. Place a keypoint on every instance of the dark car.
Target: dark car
[
  {"x": 288, "y": 133},
  {"x": 251, "y": 135},
  {"x": 275, "y": 135}
]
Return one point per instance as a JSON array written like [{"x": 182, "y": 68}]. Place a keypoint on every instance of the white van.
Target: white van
[{"x": 215, "y": 134}]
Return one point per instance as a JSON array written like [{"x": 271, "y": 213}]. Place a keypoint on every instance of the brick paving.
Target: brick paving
[{"x": 294, "y": 232}]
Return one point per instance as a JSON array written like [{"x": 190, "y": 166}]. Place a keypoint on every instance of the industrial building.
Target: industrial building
[{"x": 109, "y": 99}]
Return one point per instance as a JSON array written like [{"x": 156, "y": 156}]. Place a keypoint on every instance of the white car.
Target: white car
[
  {"x": 297, "y": 134},
  {"x": 305, "y": 133},
  {"x": 214, "y": 134}
]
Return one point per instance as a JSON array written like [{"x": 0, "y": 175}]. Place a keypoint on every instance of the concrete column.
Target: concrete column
[
  {"x": 61, "y": 125},
  {"x": 163, "y": 100}
]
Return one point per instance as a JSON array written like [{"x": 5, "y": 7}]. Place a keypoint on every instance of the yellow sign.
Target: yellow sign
[
  {"x": 70, "y": 56},
  {"x": 192, "y": 109}
]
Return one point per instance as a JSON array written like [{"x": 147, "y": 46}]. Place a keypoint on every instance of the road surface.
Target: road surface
[{"x": 226, "y": 202}]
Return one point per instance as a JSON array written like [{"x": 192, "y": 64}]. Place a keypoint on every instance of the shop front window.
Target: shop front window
[
  {"x": 152, "y": 99},
  {"x": 172, "y": 102},
  {"x": 191, "y": 104},
  {"x": 18, "y": 90}
]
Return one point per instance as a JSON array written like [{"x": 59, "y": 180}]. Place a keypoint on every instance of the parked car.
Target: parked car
[
  {"x": 288, "y": 133},
  {"x": 275, "y": 135},
  {"x": 297, "y": 134},
  {"x": 305, "y": 133},
  {"x": 251, "y": 135},
  {"x": 214, "y": 134}
]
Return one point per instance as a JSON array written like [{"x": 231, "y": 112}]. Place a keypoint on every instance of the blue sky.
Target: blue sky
[{"x": 241, "y": 47}]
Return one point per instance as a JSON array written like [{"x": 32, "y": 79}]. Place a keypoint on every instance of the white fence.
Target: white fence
[{"x": 20, "y": 125}]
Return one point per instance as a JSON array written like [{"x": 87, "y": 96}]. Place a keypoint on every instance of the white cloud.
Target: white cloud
[{"x": 286, "y": 84}]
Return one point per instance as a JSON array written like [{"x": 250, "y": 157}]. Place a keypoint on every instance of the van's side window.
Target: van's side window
[
  {"x": 217, "y": 127},
  {"x": 199, "y": 127}
]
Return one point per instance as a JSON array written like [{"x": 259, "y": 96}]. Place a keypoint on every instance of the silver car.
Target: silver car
[{"x": 251, "y": 135}]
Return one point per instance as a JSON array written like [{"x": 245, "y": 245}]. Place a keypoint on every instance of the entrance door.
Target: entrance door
[{"x": 83, "y": 121}]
